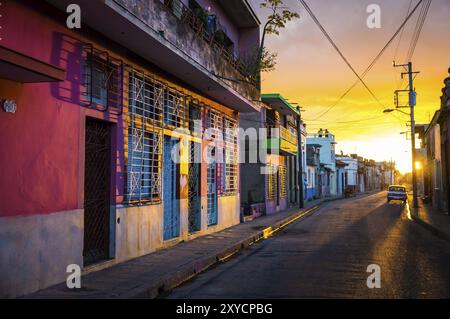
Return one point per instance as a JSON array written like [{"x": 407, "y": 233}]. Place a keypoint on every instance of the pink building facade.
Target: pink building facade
[{"x": 87, "y": 173}]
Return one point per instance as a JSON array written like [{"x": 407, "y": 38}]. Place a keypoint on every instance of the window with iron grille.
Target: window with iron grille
[
  {"x": 283, "y": 180},
  {"x": 103, "y": 79},
  {"x": 230, "y": 167},
  {"x": 272, "y": 182},
  {"x": 195, "y": 118},
  {"x": 174, "y": 108},
  {"x": 144, "y": 161},
  {"x": 144, "y": 165},
  {"x": 146, "y": 98},
  {"x": 215, "y": 124}
]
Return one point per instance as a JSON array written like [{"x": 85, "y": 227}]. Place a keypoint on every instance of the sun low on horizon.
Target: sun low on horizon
[{"x": 310, "y": 72}]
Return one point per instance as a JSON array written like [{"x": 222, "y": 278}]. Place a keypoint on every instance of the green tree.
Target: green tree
[{"x": 278, "y": 18}]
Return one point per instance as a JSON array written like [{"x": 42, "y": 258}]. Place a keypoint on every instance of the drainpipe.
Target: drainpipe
[{"x": 301, "y": 203}]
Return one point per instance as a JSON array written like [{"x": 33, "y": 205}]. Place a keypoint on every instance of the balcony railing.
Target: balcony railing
[
  {"x": 211, "y": 36},
  {"x": 288, "y": 135}
]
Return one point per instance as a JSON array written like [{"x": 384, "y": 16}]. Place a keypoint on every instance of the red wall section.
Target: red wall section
[{"x": 39, "y": 144}]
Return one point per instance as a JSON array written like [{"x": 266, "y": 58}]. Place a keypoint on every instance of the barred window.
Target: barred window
[
  {"x": 230, "y": 167},
  {"x": 272, "y": 182},
  {"x": 144, "y": 163},
  {"x": 215, "y": 124},
  {"x": 174, "y": 108},
  {"x": 102, "y": 79},
  {"x": 146, "y": 97},
  {"x": 283, "y": 179},
  {"x": 195, "y": 117}
]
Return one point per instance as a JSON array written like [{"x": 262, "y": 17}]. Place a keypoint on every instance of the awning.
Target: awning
[{"x": 18, "y": 67}]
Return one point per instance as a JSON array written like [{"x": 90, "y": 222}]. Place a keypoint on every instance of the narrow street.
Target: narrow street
[{"x": 326, "y": 256}]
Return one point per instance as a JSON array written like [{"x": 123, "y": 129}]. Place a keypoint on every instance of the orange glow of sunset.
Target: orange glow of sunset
[{"x": 310, "y": 72}]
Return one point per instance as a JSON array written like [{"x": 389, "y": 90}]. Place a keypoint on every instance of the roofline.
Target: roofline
[
  {"x": 433, "y": 121},
  {"x": 277, "y": 96}
]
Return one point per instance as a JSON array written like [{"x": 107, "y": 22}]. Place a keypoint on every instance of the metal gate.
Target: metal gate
[
  {"x": 97, "y": 191},
  {"x": 194, "y": 204},
  {"x": 212, "y": 188},
  {"x": 171, "y": 184}
]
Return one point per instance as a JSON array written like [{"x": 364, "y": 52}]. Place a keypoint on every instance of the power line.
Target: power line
[
  {"x": 403, "y": 31},
  {"x": 375, "y": 60},
  {"x": 418, "y": 30},
  {"x": 353, "y": 121},
  {"x": 311, "y": 13}
]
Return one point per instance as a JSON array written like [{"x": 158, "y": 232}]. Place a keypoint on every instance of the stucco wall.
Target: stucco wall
[{"x": 36, "y": 250}]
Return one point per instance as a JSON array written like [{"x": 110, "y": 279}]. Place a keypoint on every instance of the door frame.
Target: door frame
[{"x": 112, "y": 127}]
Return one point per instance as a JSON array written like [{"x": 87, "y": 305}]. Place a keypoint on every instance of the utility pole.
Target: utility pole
[
  {"x": 301, "y": 202},
  {"x": 412, "y": 103}
]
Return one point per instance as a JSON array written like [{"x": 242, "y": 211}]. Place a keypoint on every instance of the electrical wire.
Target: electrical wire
[
  {"x": 313, "y": 16},
  {"x": 421, "y": 21},
  {"x": 374, "y": 61},
  {"x": 403, "y": 31}
]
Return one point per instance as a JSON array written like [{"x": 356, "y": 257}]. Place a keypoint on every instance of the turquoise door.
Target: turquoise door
[
  {"x": 171, "y": 186},
  {"x": 212, "y": 189}
]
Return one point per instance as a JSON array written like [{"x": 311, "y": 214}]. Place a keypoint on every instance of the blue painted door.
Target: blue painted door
[
  {"x": 171, "y": 185},
  {"x": 212, "y": 188}
]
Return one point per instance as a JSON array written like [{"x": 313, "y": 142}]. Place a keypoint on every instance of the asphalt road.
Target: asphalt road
[{"x": 327, "y": 254}]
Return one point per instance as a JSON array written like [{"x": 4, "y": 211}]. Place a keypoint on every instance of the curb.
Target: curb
[{"x": 172, "y": 281}]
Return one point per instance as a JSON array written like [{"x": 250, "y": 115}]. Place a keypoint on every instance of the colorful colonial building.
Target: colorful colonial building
[
  {"x": 271, "y": 176},
  {"x": 118, "y": 139}
]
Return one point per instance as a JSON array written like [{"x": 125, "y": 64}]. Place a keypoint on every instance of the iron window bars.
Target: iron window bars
[
  {"x": 154, "y": 105},
  {"x": 174, "y": 108},
  {"x": 214, "y": 124},
  {"x": 145, "y": 137},
  {"x": 283, "y": 180},
  {"x": 103, "y": 80},
  {"x": 230, "y": 181},
  {"x": 272, "y": 182},
  {"x": 195, "y": 118}
]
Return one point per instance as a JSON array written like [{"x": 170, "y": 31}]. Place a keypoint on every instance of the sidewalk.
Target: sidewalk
[
  {"x": 434, "y": 220},
  {"x": 154, "y": 274}
]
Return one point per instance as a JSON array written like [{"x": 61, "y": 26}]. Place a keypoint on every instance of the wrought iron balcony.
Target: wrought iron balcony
[{"x": 213, "y": 36}]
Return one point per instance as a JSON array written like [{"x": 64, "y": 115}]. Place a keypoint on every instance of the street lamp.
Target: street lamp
[{"x": 398, "y": 110}]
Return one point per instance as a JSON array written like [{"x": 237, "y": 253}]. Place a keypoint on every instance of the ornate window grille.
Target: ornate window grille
[
  {"x": 272, "y": 182},
  {"x": 195, "y": 118},
  {"x": 230, "y": 178},
  {"x": 144, "y": 162},
  {"x": 283, "y": 180},
  {"x": 103, "y": 80},
  {"x": 174, "y": 108},
  {"x": 215, "y": 124}
]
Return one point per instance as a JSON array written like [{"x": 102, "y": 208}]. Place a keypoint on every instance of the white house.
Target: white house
[
  {"x": 327, "y": 154},
  {"x": 351, "y": 171}
]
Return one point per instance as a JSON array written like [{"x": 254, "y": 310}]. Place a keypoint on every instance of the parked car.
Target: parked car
[{"x": 397, "y": 192}]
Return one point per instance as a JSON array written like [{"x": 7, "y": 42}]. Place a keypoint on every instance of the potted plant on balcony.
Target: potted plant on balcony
[{"x": 201, "y": 15}]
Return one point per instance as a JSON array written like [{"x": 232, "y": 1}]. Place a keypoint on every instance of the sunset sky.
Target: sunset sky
[{"x": 310, "y": 71}]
